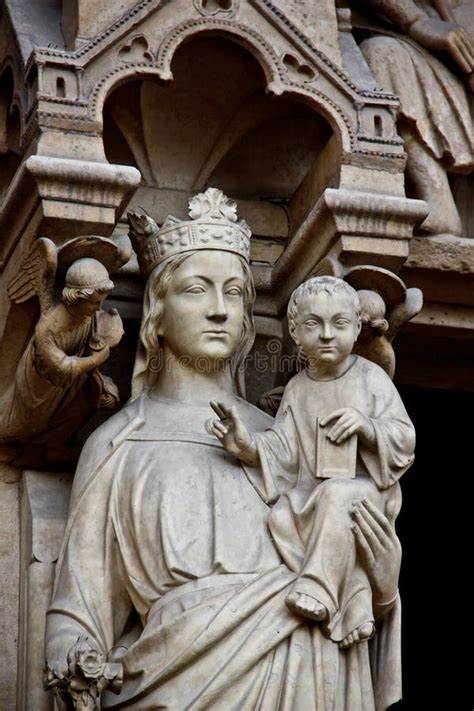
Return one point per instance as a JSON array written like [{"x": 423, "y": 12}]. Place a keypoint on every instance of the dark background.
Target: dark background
[{"x": 437, "y": 567}]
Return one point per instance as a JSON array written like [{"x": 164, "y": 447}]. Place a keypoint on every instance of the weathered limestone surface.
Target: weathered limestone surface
[
  {"x": 44, "y": 507},
  {"x": 218, "y": 615},
  {"x": 10, "y": 479},
  {"x": 340, "y": 131}
]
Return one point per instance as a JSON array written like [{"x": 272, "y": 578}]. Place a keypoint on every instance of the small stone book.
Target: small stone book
[{"x": 334, "y": 460}]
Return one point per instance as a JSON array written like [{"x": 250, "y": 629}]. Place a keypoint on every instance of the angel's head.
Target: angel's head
[
  {"x": 87, "y": 285},
  {"x": 373, "y": 312}
]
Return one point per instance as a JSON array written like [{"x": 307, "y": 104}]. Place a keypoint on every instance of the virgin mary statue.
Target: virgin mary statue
[{"x": 168, "y": 567}]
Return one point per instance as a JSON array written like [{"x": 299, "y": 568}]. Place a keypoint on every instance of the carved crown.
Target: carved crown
[{"x": 213, "y": 225}]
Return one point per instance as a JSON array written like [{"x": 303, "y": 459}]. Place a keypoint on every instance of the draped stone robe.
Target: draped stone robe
[
  {"x": 310, "y": 522},
  {"x": 168, "y": 566}
]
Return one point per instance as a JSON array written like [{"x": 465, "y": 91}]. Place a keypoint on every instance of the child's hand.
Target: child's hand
[
  {"x": 230, "y": 430},
  {"x": 349, "y": 421}
]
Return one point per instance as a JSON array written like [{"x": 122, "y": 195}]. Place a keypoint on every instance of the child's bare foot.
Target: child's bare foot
[
  {"x": 360, "y": 634},
  {"x": 306, "y": 606}
]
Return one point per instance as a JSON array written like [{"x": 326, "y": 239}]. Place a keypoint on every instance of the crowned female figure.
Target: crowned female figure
[{"x": 168, "y": 567}]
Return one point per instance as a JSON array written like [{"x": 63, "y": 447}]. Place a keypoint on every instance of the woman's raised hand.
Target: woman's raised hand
[{"x": 230, "y": 429}]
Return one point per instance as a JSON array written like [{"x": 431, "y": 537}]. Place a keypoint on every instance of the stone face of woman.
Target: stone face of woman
[{"x": 203, "y": 308}]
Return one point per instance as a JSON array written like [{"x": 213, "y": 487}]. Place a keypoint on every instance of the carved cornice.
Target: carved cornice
[
  {"x": 321, "y": 82},
  {"x": 110, "y": 35},
  {"x": 68, "y": 192},
  {"x": 354, "y": 226}
]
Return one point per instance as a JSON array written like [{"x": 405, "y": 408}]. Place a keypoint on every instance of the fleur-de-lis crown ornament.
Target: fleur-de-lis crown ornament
[{"x": 213, "y": 225}]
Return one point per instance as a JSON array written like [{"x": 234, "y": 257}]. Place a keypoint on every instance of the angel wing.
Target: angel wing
[
  {"x": 329, "y": 266},
  {"x": 37, "y": 275},
  {"x": 401, "y": 313}
]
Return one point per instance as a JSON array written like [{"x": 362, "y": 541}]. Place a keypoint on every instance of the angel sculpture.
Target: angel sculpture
[
  {"x": 57, "y": 383},
  {"x": 386, "y": 304}
]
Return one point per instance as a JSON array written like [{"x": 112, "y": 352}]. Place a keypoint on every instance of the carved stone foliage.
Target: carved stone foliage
[
  {"x": 58, "y": 382},
  {"x": 89, "y": 674}
]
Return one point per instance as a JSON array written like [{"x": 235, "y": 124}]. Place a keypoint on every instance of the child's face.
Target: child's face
[{"x": 327, "y": 327}]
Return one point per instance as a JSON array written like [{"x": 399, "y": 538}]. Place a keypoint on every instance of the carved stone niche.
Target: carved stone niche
[
  {"x": 262, "y": 99},
  {"x": 296, "y": 47},
  {"x": 218, "y": 121}
]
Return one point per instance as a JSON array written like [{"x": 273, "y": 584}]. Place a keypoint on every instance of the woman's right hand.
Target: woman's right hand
[{"x": 230, "y": 429}]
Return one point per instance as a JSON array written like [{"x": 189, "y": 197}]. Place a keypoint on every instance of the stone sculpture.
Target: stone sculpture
[
  {"x": 351, "y": 402},
  {"x": 168, "y": 566},
  {"x": 57, "y": 383},
  {"x": 88, "y": 674},
  {"x": 436, "y": 115},
  {"x": 386, "y": 305}
]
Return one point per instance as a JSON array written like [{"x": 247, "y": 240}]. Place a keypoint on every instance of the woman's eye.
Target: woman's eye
[
  {"x": 341, "y": 322},
  {"x": 311, "y": 323},
  {"x": 195, "y": 289},
  {"x": 234, "y": 291}
]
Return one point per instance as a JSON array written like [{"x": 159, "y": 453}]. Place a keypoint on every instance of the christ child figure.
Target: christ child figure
[{"x": 341, "y": 436}]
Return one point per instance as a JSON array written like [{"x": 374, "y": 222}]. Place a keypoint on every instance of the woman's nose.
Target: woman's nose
[{"x": 218, "y": 307}]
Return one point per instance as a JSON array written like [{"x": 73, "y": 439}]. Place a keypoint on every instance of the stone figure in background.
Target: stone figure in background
[
  {"x": 386, "y": 304},
  {"x": 168, "y": 566},
  {"x": 57, "y": 382},
  {"x": 374, "y": 327},
  {"x": 437, "y": 108},
  {"x": 351, "y": 402}
]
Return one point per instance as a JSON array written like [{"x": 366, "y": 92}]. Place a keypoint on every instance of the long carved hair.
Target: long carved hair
[{"x": 149, "y": 354}]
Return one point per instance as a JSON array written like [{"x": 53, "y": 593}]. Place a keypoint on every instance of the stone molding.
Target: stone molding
[
  {"x": 290, "y": 61},
  {"x": 65, "y": 191}
]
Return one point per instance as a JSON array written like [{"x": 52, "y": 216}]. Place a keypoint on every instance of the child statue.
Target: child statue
[{"x": 341, "y": 435}]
